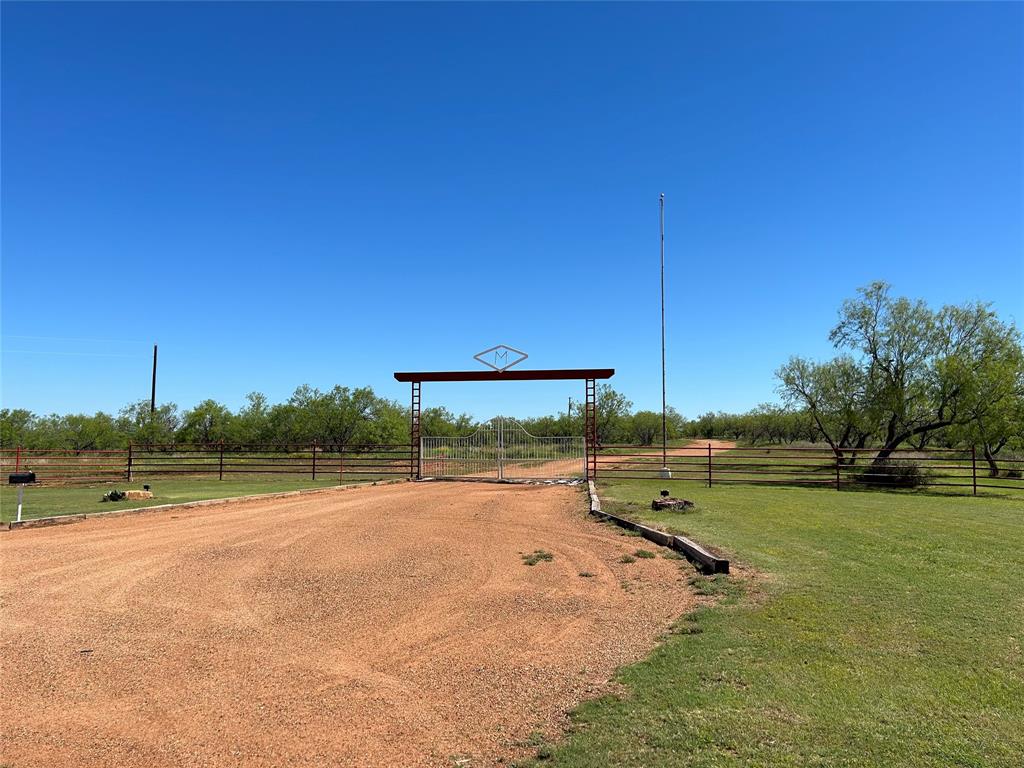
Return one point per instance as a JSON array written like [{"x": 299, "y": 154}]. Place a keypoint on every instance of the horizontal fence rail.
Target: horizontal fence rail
[
  {"x": 65, "y": 466},
  {"x": 811, "y": 466},
  {"x": 141, "y": 462},
  {"x": 706, "y": 463}
]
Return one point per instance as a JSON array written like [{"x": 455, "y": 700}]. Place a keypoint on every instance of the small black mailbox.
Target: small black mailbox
[{"x": 21, "y": 478}]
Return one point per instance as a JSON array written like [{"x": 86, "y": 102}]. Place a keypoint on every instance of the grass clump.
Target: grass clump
[
  {"x": 538, "y": 556},
  {"x": 627, "y": 559},
  {"x": 716, "y": 585},
  {"x": 645, "y": 554}
]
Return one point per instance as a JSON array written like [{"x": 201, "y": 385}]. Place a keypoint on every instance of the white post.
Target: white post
[
  {"x": 665, "y": 472},
  {"x": 21, "y": 495}
]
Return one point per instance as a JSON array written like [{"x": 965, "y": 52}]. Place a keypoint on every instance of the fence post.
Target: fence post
[
  {"x": 17, "y": 459},
  {"x": 341, "y": 463},
  {"x": 220, "y": 473},
  {"x": 974, "y": 469},
  {"x": 129, "y": 461},
  {"x": 837, "y": 471},
  {"x": 314, "y": 459},
  {"x": 709, "y": 465}
]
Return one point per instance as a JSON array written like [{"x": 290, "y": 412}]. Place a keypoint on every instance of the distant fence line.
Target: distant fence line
[
  {"x": 793, "y": 465},
  {"x": 315, "y": 461},
  {"x": 775, "y": 465}
]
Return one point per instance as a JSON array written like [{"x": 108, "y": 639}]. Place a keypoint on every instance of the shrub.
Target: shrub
[
  {"x": 893, "y": 473},
  {"x": 114, "y": 495}
]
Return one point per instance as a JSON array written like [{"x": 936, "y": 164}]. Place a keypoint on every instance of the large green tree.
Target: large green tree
[
  {"x": 834, "y": 395},
  {"x": 157, "y": 428},
  {"x": 910, "y": 370},
  {"x": 209, "y": 422}
]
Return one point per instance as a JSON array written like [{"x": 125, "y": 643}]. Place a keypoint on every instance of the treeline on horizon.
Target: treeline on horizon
[
  {"x": 905, "y": 376},
  {"x": 340, "y": 416}
]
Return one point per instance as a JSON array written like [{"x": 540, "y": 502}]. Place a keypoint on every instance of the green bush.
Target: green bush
[{"x": 894, "y": 473}]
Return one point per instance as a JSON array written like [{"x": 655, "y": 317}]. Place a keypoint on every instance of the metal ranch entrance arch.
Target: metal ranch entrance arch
[{"x": 587, "y": 375}]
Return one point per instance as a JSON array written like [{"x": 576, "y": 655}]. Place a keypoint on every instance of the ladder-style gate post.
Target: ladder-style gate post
[
  {"x": 590, "y": 429},
  {"x": 415, "y": 443},
  {"x": 500, "y": 447}
]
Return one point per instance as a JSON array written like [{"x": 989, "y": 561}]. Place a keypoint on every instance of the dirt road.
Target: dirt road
[{"x": 382, "y": 626}]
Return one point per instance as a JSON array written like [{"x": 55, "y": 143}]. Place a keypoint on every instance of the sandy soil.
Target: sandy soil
[
  {"x": 522, "y": 470},
  {"x": 389, "y": 626},
  {"x": 645, "y": 459},
  {"x": 700, "y": 448}
]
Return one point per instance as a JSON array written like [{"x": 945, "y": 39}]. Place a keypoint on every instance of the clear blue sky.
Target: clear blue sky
[{"x": 326, "y": 193}]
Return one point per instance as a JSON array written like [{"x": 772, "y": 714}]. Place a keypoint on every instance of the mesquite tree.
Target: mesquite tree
[
  {"x": 834, "y": 394},
  {"x": 908, "y": 370}
]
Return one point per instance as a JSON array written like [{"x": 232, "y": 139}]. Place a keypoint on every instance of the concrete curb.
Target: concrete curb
[
  {"x": 42, "y": 522},
  {"x": 694, "y": 552}
]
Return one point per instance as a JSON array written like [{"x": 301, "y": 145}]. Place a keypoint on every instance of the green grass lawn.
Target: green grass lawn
[
  {"x": 880, "y": 629},
  {"x": 43, "y": 501}
]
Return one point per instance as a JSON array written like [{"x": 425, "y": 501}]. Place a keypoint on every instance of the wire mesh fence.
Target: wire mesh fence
[{"x": 503, "y": 449}]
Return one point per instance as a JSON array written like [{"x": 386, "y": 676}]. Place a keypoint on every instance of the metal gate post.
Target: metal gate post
[
  {"x": 590, "y": 429},
  {"x": 974, "y": 469},
  {"x": 501, "y": 448},
  {"x": 415, "y": 441}
]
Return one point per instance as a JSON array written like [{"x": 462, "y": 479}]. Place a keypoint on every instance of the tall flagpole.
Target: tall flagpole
[
  {"x": 152, "y": 394},
  {"x": 665, "y": 472}
]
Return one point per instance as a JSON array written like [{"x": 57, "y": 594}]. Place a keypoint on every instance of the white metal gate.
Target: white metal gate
[{"x": 503, "y": 449}]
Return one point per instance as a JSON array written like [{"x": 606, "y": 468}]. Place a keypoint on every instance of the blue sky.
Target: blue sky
[{"x": 326, "y": 193}]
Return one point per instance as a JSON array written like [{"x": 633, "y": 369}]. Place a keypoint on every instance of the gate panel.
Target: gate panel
[{"x": 502, "y": 449}]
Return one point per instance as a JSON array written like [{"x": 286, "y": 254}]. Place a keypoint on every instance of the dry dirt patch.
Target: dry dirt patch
[{"x": 394, "y": 625}]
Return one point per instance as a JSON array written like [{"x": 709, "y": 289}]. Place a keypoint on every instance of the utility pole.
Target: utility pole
[
  {"x": 665, "y": 472},
  {"x": 152, "y": 396}
]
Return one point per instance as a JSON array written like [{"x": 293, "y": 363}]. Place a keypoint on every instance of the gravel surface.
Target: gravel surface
[{"x": 388, "y": 626}]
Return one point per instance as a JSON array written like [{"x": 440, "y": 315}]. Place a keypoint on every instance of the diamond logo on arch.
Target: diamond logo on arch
[{"x": 501, "y": 357}]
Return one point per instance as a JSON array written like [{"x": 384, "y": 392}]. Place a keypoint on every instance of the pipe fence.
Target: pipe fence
[
  {"x": 810, "y": 466},
  {"x": 221, "y": 461},
  {"x": 705, "y": 463}
]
